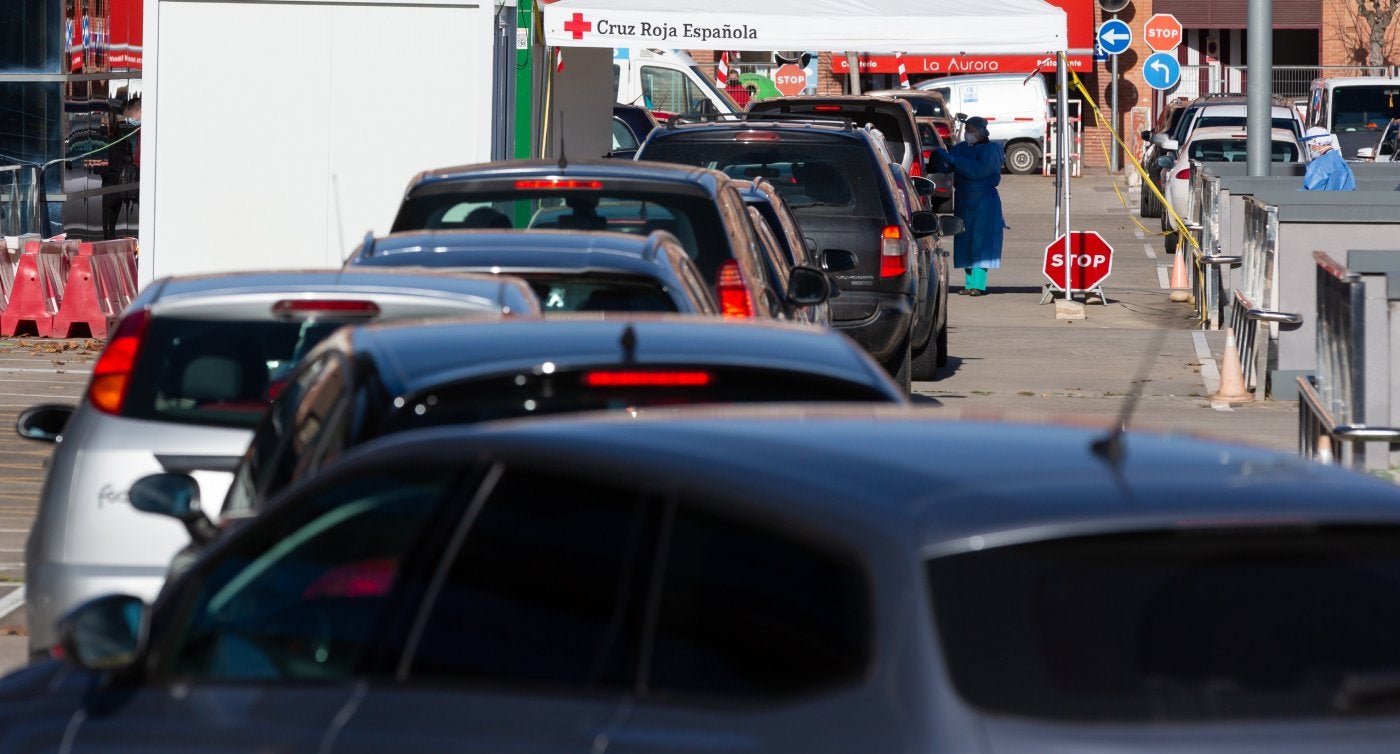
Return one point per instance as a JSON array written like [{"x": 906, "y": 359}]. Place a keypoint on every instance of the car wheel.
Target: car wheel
[
  {"x": 943, "y": 346},
  {"x": 1150, "y": 206},
  {"x": 901, "y": 366},
  {"x": 1172, "y": 242},
  {"x": 926, "y": 360},
  {"x": 1023, "y": 158}
]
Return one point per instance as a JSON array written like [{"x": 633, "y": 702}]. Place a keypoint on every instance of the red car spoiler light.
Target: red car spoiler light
[
  {"x": 647, "y": 379},
  {"x": 307, "y": 308},
  {"x": 559, "y": 184}
]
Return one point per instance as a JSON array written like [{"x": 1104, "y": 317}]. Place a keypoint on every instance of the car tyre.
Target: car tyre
[
  {"x": 1023, "y": 158},
  {"x": 1150, "y": 207},
  {"x": 901, "y": 366},
  {"x": 926, "y": 360},
  {"x": 943, "y": 345}
]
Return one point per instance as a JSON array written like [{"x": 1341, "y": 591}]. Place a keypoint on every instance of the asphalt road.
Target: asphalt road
[{"x": 1140, "y": 356}]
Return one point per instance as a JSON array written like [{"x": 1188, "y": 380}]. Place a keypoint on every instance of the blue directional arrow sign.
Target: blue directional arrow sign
[
  {"x": 1161, "y": 70},
  {"x": 1114, "y": 36}
]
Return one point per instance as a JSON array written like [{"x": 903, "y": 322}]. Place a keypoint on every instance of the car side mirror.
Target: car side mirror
[
  {"x": 923, "y": 186},
  {"x": 961, "y": 117},
  {"x": 176, "y": 496},
  {"x": 923, "y": 224},
  {"x": 1158, "y": 138},
  {"x": 950, "y": 225},
  {"x": 105, "y": 633},
  {"x": 1366, "y": 153},
  {"x": 807, "y": 286},
  {"x": 1170, "y": 145},
  {"x": 838, "y": 260},
  {"x": 44, "y": 422}
]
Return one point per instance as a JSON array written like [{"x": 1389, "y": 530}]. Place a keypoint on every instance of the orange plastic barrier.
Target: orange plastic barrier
[
  {"x": 39, "y": 282},
  {"x": 56, "y": 285}
]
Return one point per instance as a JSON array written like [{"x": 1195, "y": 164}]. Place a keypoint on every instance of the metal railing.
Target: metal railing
[
  {"x": 23, "y": 207},
  {"x": 1332, "y": 410},
  {"x": 1289, "y": 81}
]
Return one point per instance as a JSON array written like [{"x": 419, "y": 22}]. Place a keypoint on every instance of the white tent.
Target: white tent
[{"x": 1004, "y": 27}]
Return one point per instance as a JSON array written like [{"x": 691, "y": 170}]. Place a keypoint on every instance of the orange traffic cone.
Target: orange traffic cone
[
  {"x": 1181, "y": 285},
  {"x": 1324, "y": 449},
  {"x": 1232, "y": 387}
]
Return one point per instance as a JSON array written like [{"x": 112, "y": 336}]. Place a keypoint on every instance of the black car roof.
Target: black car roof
[
  {"x": 413, "y": 356},
  {"x": 940, "y": 483},
  {"x": 601, "y": 168}
]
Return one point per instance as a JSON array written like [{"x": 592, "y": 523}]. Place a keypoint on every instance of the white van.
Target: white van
[
  {"x": 666, "y": 82},
  {"x": 1355, "y": 108},
  {"x": 1015, "y": 105}
]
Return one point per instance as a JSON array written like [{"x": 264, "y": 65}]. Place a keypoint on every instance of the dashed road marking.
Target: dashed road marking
[
  {"x": 1164, "y": 276},
  {"x": 12, "y": 601},
  {"x": 1151, "y": 252}
]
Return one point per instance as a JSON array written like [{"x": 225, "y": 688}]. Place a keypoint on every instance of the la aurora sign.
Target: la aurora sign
[{"x": 916, "y": 63}]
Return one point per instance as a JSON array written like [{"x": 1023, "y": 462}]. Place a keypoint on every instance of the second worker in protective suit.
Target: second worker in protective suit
[
  {"x": 1327, "y": 170},
  {"x": 976, "y": 167}
]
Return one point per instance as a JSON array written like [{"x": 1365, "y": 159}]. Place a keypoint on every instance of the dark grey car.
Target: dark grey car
[{"x": 769, "y": 579}]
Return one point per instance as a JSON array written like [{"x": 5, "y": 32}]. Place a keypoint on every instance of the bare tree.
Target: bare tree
[{"x": 1373, "y": 21}]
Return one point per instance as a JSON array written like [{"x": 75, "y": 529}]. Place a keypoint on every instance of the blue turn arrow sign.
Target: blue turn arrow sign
[
  {"x": 1161, "y": 71},
  {"x": 1114, "y": 36}
]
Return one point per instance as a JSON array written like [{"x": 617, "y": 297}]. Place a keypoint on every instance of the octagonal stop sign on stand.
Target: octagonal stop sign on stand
[
  {"x": 790, "y": 79},
  {"x": 1091, "y": 261}
]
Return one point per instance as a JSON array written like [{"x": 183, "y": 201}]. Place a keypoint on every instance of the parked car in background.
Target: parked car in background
[
  {"x": 700, "y": 207},
  {"x": 1016, "y": 106},
  {"x": 792, "y": 247},
  {"x": 1152, "y": 152},
  {"x": 791, "y": 578},
  {"x": 182, "y": 381},
  {"x": 569, "y": 271},
  {"x": 891, "y": 116},
  {"x": 1353, "y": 108},
  {"x": 1214, "y": 144},
  {"x": 839, "y": 181},
  {"x": 941, "y": 200},
  {"x": 666, "y": 82},
  {"x": 929, "y": 106},
  {"x": 1387, "y": 146},
  {"x": 631, "y": 124}
]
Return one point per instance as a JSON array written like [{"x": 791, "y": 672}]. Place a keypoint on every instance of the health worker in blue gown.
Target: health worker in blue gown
[
  {"x": 1327, "y": 170},
  {"x": 976, "y": 167}
]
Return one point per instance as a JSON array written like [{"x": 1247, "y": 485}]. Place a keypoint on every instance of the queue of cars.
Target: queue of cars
[{"x": 630, "y": 493}]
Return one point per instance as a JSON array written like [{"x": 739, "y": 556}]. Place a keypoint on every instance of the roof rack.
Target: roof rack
[{"x": 748, "y": 117}]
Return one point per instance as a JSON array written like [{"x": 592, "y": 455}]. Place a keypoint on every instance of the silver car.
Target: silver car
[{"x": 183, "y": 380}]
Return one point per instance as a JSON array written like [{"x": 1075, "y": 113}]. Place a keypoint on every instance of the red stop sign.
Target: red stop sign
[
  {"x": 1162, "y": 32},
  {"x": 790, "y": 79},
  {"x": 1091, "y": 259}
]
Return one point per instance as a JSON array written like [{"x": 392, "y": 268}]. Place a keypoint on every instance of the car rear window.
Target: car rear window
[
  {"x": 568, "y": 391},
  {"x": 1205, "y": 121},
  {"x": 1233, "y": 150},
  {"x": 598, "y": 293},
  {"x": 692, "y": 218},
  {"x": 827, "y": 177},
  {"x": 897, "y": 129},
  {"x": 1209, "y": 624},
  {"x": 219, "y": 373}
]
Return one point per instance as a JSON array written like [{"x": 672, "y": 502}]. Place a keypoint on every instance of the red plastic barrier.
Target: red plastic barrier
[
  {"x": 39, "y": 281},
  {"x": 93, "y": 293}
]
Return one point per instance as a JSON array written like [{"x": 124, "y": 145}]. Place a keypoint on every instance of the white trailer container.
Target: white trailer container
[{"x": 277, "y": 133}]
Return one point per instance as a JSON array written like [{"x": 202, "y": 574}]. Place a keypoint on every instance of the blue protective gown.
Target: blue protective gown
[
  {"x": 1328, "y": 172},
  {"x": 976, "y": 170}
]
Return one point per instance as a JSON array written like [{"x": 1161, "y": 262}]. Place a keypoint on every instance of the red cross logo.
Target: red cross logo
[{"x": 578, "y": 26}]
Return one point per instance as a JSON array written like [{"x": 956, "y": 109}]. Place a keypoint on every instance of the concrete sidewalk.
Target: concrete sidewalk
[{"x": 1010, "y": 356}]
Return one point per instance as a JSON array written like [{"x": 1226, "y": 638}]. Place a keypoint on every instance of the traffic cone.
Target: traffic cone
[
  {"x": 1232, "y": 387},
  {"x": 1181, "y": 284},
  {"x": 1324, "y": 449}
]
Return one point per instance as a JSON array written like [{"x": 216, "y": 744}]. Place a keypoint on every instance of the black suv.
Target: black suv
[
  {"x": 839, "y": 182},
  {"x": 701, "y": 208}
]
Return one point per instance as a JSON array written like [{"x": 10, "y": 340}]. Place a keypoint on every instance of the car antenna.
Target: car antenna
[
  {"x": 339, "y": 221},
  {"x": 628, "y": 341},
  {"x": 1110, "y": 446},
  {"x": 563, "y": 161}
]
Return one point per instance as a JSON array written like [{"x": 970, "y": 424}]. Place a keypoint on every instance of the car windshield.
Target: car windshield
[
  {"x": 572, "y": 390},
  {"x": 1234, "y": 150},
  {"x": 1205, "y": 121},
  {"x": 221, "y": 373},
  {"x": 1182, "y": 625},
  {"x": 1364, "y": 108},
  {"x": 830, "y": 177},
  {"x": 692, "y": 217}
]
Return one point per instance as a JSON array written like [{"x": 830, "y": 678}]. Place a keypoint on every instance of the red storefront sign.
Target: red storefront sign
[
  {"x": 98, "y": 43},
  {"x": 1079, "y": 17}
]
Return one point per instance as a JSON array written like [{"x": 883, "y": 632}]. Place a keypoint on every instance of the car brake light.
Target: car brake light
[
  {"x": 734, "y": 299},
  {"x": 559, "y": 183},
  {"x": 308, "y": 308},
  {"x": 916, "y": 169},
  {"x": 757, "y": 136},
  {"x": 893, "y": 259},
  {"x": 646, "y": 379},
  {"x": 112, "y": 373},
  {"x": 944, "y": 131},
  {"x": 827, "y": 108},
  {"x": 1184, "y": 175}
]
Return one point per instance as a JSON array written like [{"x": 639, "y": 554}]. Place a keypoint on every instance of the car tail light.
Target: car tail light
[
  {"x": 916, "y": 169},
  {"x": 560, "y": 184},
  {"x": 734, "y": 298},
  {"x": 112, "y": 373},
  {"x": 1183, "y": 174},
  {"x": 308, "y": 308},
  {"x": 894, "y": 260},
  {"x": 647, "y": 379},
  {"x": 944, "y": 131}
]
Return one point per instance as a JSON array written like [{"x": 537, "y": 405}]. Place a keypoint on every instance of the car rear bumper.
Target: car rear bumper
[
  {"x": 885, "y": 328},
  {"x": 52, "y": 589}
]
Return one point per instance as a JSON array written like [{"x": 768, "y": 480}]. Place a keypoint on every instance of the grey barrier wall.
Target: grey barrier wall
[
  {"x": 1275, "y": 297},
  {"x": 1347, "y": 410}
]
